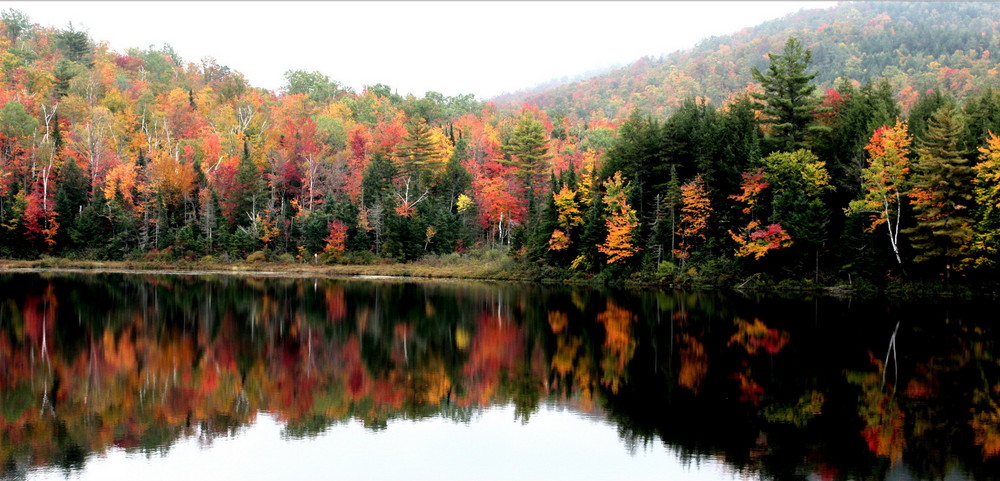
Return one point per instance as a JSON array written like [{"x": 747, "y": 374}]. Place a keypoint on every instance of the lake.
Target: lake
[{"x": 156, "y": 376}]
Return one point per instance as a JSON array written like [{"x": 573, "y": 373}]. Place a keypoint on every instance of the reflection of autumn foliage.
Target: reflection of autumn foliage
[
  {"x": 757, "y": 336},
  {"x": 694, "y": 363},
  {"x": 879, "y": 409},
  {"x": 750, "y": 390},
  {"x": 619, "y": 345},
  {"x": 986, "y": 420},
  {"x": 497, "y": 347},
  {"x": 336, "y": 308},
  {"x": 318, "y": 353}
]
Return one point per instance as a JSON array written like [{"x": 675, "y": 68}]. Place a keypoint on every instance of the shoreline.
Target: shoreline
[
  {"x": 263, "y": 269},
  {"x": 478, "y": 270}
]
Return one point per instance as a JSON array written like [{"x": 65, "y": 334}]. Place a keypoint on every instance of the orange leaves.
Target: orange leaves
[
  {"x": 173, "y": 179},
  {"x": 619, "y": 345},
  {"x": 621, "y": 222},
  {"x": 559, "y": 240},
  {"x": 336, "y": 239},
  {"x": 121, "y": 179},
  {"x": 695, "y": 211},
  {"x": 694, "y": 363},
  {"x": 753, "y": 185}
]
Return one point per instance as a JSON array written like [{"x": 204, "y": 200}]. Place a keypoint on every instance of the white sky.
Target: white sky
[
  {"x": 555, "y": 444},
  {"x": 484, "y": 47}
]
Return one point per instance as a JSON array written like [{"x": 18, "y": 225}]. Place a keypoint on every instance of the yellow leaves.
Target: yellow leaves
[
  {"x": 442, "y": 148},
  {"x": 987, "y": 193},
  {"x": 464, "y": 202},
  {"x": 569, "y": 214},
  {"x": 585, "y": 181}
]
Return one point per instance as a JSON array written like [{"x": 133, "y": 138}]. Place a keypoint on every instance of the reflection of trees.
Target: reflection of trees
[{"x": 128, "y": 363}]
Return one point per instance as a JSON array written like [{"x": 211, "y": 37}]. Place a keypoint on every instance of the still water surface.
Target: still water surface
[{"x": 114, "y": 376}]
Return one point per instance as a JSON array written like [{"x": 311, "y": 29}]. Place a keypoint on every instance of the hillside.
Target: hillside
[{"x": 914, "y": 45}]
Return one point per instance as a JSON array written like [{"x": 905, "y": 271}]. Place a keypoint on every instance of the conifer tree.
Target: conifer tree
[
  {"x": 787, "y": 102},
  {"x": 942, "y": 193},
  {"x": 528, "y": 150}
]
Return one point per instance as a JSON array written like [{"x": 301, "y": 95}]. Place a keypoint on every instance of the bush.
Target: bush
[{"x": 256, "y": 256}]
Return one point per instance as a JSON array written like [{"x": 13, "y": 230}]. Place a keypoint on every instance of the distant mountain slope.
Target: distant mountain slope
[{"x": 914, "y": 45}]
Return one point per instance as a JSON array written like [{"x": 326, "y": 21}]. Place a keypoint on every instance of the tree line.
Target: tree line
[{"x": 139, "y": 155}]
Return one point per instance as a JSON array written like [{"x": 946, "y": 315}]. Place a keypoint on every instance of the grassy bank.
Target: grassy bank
[{"x": 445, "y": 267}]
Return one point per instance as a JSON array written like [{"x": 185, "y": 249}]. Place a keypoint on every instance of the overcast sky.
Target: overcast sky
[{"x": 452, "y": 47}]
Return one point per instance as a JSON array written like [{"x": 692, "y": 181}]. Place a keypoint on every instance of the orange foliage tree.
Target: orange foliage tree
[
  {"x": 695, "y": 211},
  {"x": 622, "y": 221}
]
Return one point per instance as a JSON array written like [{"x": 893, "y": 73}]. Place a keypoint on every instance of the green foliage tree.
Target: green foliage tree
[
  {"x": 75, "y": 46},
  {"x": 942, "y": 196},
  {"x": 315, "y": 85},
  {"x": 788, "y": 103},
  {"x": 17, "y": 23},
  {"x": 927, "y": 104},
  {"x": 527, "y": 149},
  {"x": 251, "y": 190},
  {"x": 71, "y": 197}
]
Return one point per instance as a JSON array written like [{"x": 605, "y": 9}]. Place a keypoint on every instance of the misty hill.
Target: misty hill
[{"x": 914, "y": 45}]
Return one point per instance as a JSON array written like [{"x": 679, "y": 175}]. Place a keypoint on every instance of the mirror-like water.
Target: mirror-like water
[{"x": 113, "y": 376}]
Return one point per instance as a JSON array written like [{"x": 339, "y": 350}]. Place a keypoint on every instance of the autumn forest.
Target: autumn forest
[{"x": 794, "y": 177}]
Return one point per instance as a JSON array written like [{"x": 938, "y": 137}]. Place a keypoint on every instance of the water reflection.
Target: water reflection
[{"x": 97, "y": 364}]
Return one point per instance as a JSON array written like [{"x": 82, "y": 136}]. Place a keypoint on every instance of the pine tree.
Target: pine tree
[
  {"x": 251, "y": 189},
  {"x": 528, "y": 150},
  {"x": 71, "y": 196},
  {"x": 788, "y": 103},
  {"x": 942, "y": 195}
]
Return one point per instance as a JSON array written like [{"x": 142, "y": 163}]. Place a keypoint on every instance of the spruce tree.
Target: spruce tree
[
  {"x": 942, "y": 195},
  {"x": 787, "y": 102},
  {"x": 527, "y": 148}
]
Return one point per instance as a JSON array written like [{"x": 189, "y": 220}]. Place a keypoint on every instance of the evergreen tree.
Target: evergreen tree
[
  {"x": 942, "y": 195},
  {"x": 251, "y": 189},
  {"x": 71, "y": 196},
  {"x": 527, "y": 148},
  {"x": 639, "y": 153},
  {"x": 927, "y": 104},
  {"x": 982, "y": 116},
  {"x": 787, "y": 102},
  {"x": 377, "y": 198}
]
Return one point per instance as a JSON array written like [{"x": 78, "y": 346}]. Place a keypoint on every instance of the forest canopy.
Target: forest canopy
[{"x": 796, "y": 174}]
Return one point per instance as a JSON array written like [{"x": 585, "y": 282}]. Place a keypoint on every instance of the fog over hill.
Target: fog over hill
[{"x": 914, "y": 45}]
